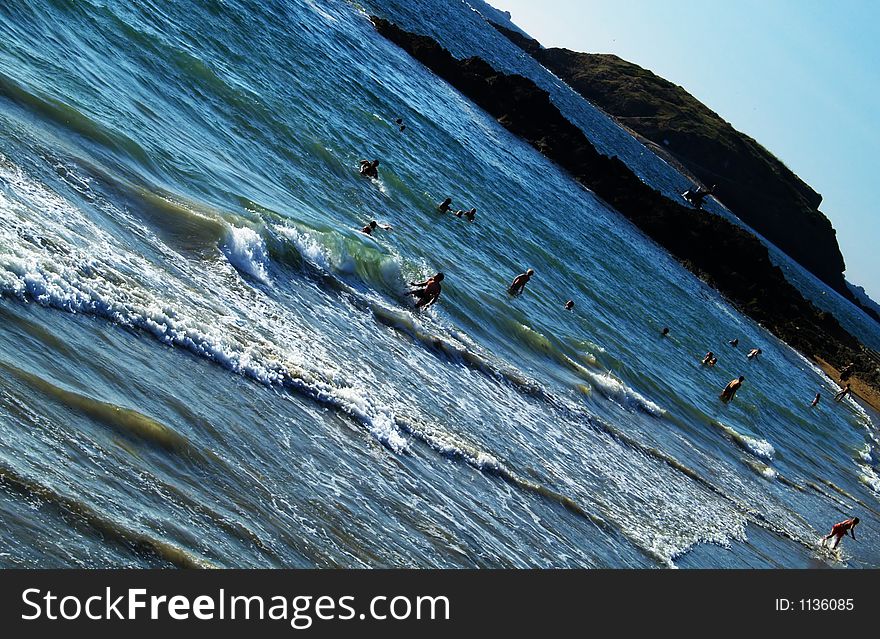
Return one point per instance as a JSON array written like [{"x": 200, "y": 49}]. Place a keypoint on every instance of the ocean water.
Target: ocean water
[{"x": 204, "y": 363}]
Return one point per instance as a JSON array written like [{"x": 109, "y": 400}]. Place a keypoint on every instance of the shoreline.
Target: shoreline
[{"x": 858, "y": 387}]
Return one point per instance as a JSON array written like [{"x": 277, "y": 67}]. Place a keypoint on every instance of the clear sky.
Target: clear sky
[{"x": 800, "y": 76}]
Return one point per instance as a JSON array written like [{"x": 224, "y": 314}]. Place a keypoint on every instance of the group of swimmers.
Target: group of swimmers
[
  {"x": 710, "y": 359},
  {"x": 839, "y": 530},
  {"x": 428, "y": 292},
  {"x": 446, "y": 205}
]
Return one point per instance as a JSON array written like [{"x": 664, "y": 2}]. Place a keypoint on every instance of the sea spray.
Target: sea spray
[{"x": 246, "y": 251}]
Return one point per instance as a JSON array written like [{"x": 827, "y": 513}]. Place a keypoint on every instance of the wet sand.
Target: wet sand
[{"x": 864, "y": 392}]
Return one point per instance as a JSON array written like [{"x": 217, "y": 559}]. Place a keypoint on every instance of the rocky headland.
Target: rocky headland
[{"x": 753, "y": 184}]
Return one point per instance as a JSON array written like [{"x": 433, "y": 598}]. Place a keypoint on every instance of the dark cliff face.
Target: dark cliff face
[
  {"x": 723, "y": 254},
  {"x": 751, "y": 182}
]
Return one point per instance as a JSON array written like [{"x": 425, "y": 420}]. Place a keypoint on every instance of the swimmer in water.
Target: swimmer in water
[
  {"x": 665, "y": 331},
  {"x": 730, "y": 390},
  {"x": 754, "y": 353},
  {"x": 734, "y": 342},
  {"x": 816, "y": 400},
  {"x": 707, "y": 358},
  {"x": 713, "y": 361},
  {"x": 468, "y": 215},
  {"x": 370, "y": 169},
  {"x": 569, "y": 305},
  {"x": 443, "y": 207},
  {"x": 427, "y": 291},
  {"x": 519, "y": 282},
  {"x": 373, "y": 225}
]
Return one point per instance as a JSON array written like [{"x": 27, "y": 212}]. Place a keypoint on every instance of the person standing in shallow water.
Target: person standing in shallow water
[
  {"x": 519, "y": 282},
  {"x": 842, "y": 393},
  {"x": 731, "y": 388},
  {"x": 839, "y": 531}
]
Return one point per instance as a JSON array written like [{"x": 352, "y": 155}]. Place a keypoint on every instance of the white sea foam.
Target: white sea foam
[
  {"x": 758, "y": 447},
  {"x": 119, "y": 285},
  {"x": 769, "y": 473},
  {"x": 316, "y": 7},
  {"x": 79, "y": 183},
  {"x": 309, "y": 247},
  {"x": 246, "y": 251},
  {"x": 450, "y": 446},
  {"x": 764, "y": 470},
  {"x": 54, "y": 289},
  {"x": 869, "y": 477},
  {"x": 337, "y": 254},
  {"x": 616, "y": 390}
]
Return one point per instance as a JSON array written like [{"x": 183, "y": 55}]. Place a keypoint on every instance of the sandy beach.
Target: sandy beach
[{"x": 867, "y": 394}]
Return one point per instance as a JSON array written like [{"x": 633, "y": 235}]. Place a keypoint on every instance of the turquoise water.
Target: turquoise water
[{"x": 205, "y": 363}]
